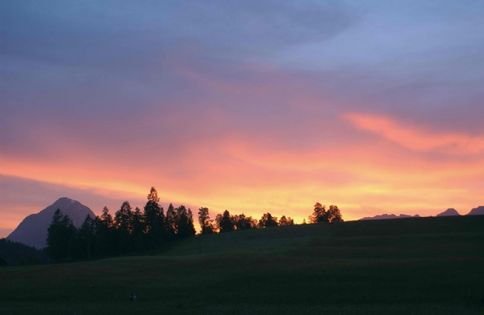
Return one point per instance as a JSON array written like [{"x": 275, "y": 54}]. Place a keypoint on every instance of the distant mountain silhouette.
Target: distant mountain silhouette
[
  {"x": 448, "y": 213},
  {"x": 32, "y": 230},
  {"x": 389, "y": 217},
  {"x": 477, "y": 211}
]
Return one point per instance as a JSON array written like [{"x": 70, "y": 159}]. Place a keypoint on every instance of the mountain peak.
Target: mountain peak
[
  {"x": 477, "y": 211},
  {"x": 32, "y": 230},
  {"x": 64, "y": 201},
  {"x": 448, "y": 213}
]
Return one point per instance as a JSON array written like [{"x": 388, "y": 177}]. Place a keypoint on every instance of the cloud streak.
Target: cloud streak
[
  {"x": 415, "y": 138},
  {"x": 252, "y": 106}
]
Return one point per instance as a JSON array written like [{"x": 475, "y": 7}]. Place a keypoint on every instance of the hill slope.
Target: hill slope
[
  {"x": 32, "y": 231},
  {"x": 407, "y": 266}
]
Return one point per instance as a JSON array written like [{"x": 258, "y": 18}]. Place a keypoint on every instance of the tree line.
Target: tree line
[{"x": 135, "y": 231}]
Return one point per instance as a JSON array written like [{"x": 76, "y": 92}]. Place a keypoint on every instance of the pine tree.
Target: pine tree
[
  {"x": 154, "y": 219},
  {"x": 123, "y": 219},
  {"x": 204, "y": 221},
  {"x": 184, "y": 222},
  {"x": 86, "y": 238},
  {"x": 170, "y": 221},
  {"x": 137, "y": 229},
  {"x": 224, "y": 222},
  {"x": 61, "y": 237},
  {"x": 105, "y": 243}
]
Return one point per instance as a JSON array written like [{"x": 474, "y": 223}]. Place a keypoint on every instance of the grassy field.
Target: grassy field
[{"x": 408, "y": 266}]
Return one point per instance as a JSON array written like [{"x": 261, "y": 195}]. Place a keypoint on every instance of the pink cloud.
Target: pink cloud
[{"x": 416, "y": 138}]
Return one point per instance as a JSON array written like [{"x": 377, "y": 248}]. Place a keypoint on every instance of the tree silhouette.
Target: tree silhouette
[
  {"x": 105, "y": 234},
  {"x": 134, "y": 231},
  {"x": 123, "y": 222},
  {"x": 154, "y": 219},
  {"x": 284, "y": 221},
  {"x": 267, "y": 220},
  {"x": 123, "y": 217},
  {"x": 170, "y": 221},
  {"x": 243, "y": 222},
  {"x": 86, "y": 239},
  {"x": 319, "y": 214},
  {"x": 224, "y": 222},
  {"x": 61, "y": 237},
  {"x": 334, "y": 214},
  {"x": 204, "y": 221},
  {"x": 184, "y": 222},
  {"x": 138, "y": 228}
]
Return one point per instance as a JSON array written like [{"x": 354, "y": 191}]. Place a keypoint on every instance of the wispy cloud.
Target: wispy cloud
[{"x": 417, "y": 138}]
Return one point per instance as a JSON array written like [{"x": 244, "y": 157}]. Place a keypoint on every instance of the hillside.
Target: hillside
[
  {"x": 32, "y": 231},
  {"x": 405, "y": 266}
]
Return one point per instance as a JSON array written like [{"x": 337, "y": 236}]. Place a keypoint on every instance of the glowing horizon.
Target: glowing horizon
[{"x": 374, "y": 107}]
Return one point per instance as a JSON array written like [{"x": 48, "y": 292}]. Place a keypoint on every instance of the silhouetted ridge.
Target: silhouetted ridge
[
  {"x": 32, "y": 231},
  {"x": 448, "y": 213},
  {"x": 477, "y": 211},
  {"x": 389, "y": 217}
]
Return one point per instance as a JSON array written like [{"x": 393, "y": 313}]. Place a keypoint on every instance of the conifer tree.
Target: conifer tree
[
  {"x": 61, "y": 237},
  {"x": 105, "y": 234},
  {"x": 170, "y": 221},
  {"x": 154, "y": 218},
  {"x": 184, "y": 222},
  {"x": 204, "y": 221},
  {"x": 86, "y": 239},
  {"x": 123, "y": 219},
  {"x": 224, "y": 222}
]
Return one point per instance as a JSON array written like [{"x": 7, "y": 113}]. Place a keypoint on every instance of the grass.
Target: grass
[{"x": 407, "y": 266}]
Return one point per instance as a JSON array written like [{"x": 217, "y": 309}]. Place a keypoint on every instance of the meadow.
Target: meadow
[{"x": 405, "y": 266}]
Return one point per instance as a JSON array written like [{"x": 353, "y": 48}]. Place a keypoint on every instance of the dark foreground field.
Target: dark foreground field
[{"x": 411, "y": 266}]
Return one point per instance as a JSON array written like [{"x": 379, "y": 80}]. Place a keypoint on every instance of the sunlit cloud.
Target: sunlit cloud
[
  {"x": 416, "y": 138},
  {"x": 249, "y": 106}
]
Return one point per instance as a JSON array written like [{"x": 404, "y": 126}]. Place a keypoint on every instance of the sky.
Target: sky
[{"x": 250, "y": 106}]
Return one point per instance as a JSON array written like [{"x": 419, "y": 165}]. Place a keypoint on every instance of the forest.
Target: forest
[{"x": 138, "y": 231}]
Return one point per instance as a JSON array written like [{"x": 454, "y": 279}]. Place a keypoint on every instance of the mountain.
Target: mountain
[
  {"x": 389, "y": 217},
  {"x": 448, "y": 213},
  {"x": 477, "y": 211},
  {"x": 32, "y": 231}
]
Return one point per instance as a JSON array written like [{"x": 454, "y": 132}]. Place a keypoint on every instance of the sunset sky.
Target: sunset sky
[{"x": 250, "y": 106}]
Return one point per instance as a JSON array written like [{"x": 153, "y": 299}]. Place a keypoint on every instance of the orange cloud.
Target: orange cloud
[
  {"x": 415, "y": 138},
  {"x": 242, "y": 173}
]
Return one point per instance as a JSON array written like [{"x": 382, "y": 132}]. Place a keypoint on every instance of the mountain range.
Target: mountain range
[
  {"x": 447, "y": 213},
  {"x": 389, "y": 217},
  {"x": 32, "y": 231}
]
